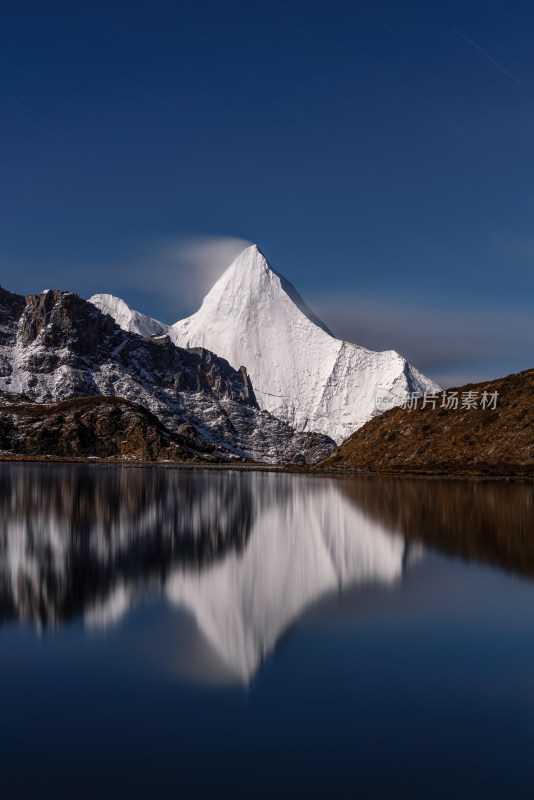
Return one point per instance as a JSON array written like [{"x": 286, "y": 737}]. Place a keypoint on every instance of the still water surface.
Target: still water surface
[{"x": 175, "y": 633}]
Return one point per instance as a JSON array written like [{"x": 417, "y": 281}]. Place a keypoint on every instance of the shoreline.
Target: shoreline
[{"x": 289, "y": 469}]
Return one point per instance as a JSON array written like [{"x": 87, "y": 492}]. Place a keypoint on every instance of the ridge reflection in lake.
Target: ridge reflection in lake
[
  {"x": 392, "y": 617},
  {"x": 245, "y": 553}
]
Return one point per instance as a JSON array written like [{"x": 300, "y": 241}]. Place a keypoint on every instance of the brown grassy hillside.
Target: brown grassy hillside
[{"x": 461, "y": 441}]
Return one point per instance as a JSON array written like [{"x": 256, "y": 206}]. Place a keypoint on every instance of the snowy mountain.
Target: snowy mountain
[
  {"x": 126, "y": 317},
  {"x": 56, "y": 346},
  {"x": 300, "y": 372}
]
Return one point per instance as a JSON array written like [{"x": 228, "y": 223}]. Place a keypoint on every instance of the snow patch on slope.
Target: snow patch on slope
[{"x": 126, "y": 317}]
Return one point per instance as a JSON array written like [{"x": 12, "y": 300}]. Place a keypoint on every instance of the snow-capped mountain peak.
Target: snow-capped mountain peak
[
  {"x": 300, "y": 372},
  {"x": 248, "y": 281}
]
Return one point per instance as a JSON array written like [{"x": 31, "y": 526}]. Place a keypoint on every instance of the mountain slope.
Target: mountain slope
[
  {"x": 126, "y": 317},
  {"x": 301, "y": 373},
  {"x": 496, "y": 440},
  {"x": 91, "y": 427},
  {"x": 56, "y": 346}
]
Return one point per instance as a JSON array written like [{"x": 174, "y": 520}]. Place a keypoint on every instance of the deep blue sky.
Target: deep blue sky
[{"x": 380, "y": 153}]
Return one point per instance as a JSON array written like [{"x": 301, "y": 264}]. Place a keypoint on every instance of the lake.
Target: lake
[{"x": 217, "y": 633}]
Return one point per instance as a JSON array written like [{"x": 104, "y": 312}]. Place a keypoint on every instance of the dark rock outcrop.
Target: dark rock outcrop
[{"x": 92, "y": 427}]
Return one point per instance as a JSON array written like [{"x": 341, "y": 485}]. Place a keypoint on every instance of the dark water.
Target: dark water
[{"x": 169, "y": 633}]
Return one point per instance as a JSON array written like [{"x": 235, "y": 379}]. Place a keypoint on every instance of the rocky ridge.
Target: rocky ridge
[
  {"x": 92, "y": 427},
  {"x": 57, "y": 346},
  {"x": 301, "y": 372}
]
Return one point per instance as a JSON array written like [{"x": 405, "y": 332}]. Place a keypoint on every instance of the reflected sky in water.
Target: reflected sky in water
[{"x": 246, "y": 634}]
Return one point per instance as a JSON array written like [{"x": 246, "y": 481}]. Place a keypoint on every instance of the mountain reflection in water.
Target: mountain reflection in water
[{"x": 244, "y": 553}]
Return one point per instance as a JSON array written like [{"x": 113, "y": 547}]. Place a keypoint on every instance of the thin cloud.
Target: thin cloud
[
  {"x": 174, "y": 275},
  {"x": 499, "y": 9},
  {"x": 196, "y": 263},
  {"x": 467, "y": 138},
  {"x": 451, "y": 346},
  {"x": 489, "y": 58},
  {"x": 167, "y": 280}
]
